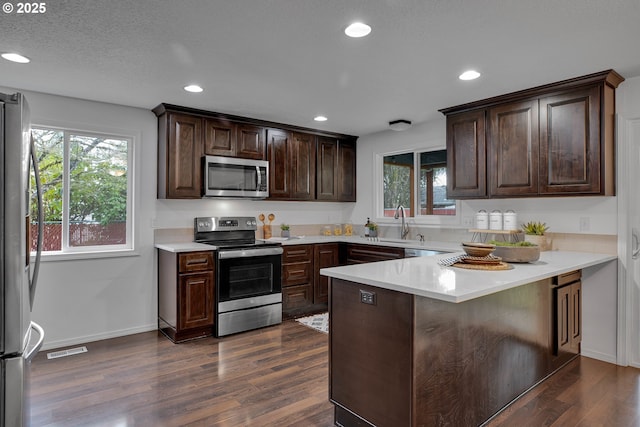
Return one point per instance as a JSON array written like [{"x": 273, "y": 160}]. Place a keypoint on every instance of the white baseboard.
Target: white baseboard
[
  {"x": 609, "y": 358},
  {"x": 97, "y": 337}
]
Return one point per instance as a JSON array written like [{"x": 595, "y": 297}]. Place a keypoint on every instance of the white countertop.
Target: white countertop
[
  {"x": 306, "y": 240},
  {"x": 184, "y": 247},
  {"x": 425, "y": 277}
]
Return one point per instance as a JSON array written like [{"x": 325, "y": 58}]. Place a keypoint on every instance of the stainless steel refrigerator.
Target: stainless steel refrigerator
[{"x": 20, "y": 338}]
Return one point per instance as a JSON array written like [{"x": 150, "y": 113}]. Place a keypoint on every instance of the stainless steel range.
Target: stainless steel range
[{"x": 248, "y": 274}]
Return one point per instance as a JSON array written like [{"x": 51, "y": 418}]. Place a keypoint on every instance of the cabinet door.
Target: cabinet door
[
  {"x": 297, "y": 297},
  {"x": 575, "y": 313},
  {"x": 184, "y": 157},
  {"x": 196, "y": 300},
  {"x": 250, "y": 143},
  {"x": 512, "y": 152},
  {"x": 466, "y": 155},
  {"x": 219, "y": 137},
  {"x": 327, "y": 168},
  {"x": 563, "y": 304},
  {"x": 325, "y": 255},
  {"x": 570, "y": 142},
  {"x": 347, "y": 171},
  {"x": 302, "y": 166},
  {"x": 278, "y": 157}
]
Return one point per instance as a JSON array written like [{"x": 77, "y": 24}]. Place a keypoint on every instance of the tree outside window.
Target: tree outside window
[
  {"x": 399, "y": 184},
  {"x": 85, "y": 182}
]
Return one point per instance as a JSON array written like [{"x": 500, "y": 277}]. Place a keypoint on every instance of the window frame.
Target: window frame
[
  {"x": 96, "y": 251},
  {"x": 378, "y": 172}
]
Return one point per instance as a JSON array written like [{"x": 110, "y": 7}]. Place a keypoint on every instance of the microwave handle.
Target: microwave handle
[{"x": 258, "y": 178}]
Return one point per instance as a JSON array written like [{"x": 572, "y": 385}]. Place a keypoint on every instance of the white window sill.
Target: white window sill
[{"x": 72, "y": 256}]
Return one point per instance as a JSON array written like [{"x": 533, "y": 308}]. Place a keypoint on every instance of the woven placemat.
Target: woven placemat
[{"x": 488, "y": 267}]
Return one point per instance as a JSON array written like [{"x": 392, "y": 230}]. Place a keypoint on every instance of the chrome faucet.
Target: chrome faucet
[{"x": 404, "y": 228}]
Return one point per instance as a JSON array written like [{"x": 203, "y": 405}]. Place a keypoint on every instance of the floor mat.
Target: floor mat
[{"x": 319, "y": 322}]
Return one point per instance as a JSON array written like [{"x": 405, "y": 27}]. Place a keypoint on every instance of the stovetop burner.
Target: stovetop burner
[{"x": 228, "y": 232}]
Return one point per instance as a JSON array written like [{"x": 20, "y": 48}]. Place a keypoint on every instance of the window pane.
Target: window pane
[
  {"x": 49, "y": 147},
  {"x": 433, "y": 184},
  {"x": 398, "y": 183},
  {"x": 98, "y": 191}
]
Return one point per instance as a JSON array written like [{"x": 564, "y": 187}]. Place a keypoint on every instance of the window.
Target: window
[
  {"x": 87, "y": 186},
  {"x": 423, "y": 195}
]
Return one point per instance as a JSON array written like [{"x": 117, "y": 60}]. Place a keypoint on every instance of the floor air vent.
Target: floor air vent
[{"x": 67, "y": 352}]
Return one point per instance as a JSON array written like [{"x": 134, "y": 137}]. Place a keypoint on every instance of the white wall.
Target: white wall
[{"x": 87, "y": 299}]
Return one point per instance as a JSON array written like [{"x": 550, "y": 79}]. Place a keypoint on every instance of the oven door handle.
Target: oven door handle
[{"x": 246, "y": 253}]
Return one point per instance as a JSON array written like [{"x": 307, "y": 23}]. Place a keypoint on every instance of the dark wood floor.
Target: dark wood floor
[{"x": 275, "y": 376}]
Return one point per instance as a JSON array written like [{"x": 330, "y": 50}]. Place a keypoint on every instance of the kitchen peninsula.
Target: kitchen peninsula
[{"x": 416, "y": 343}]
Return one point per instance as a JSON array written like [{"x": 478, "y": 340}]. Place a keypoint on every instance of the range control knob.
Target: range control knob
[{"x": 248, "y": 222}]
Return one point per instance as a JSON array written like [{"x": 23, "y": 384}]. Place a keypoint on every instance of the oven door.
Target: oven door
[
  {"x": 249, "y": 274},
  {"x": 249, "y": 289}
]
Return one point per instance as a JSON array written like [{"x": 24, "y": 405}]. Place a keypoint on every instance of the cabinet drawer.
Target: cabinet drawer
[
  {"x": 297, "y": 253},
  {"x": 195, "y": 261},
  {"x": 365, "y": 253},
  {"x": 297, "y": 296},
  {"x": 572, "y": 276},
  {"x": 297, "y": 273}
]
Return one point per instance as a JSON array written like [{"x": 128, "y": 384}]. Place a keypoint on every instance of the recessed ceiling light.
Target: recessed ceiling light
[
  {"x": 320, "y": 119},
  {"x": 357, "y": 29},
  {"x": 193, "y": 88},
  {"x": 469, "y": 75},
  {"x": 15, "y": 57}
]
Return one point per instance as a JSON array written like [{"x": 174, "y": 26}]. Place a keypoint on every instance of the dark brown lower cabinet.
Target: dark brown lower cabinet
[
  {"x": 397, "y": 359},
  {"x": 304, "y": 290},
  {"x": 185, "y": 294},
  {"x": 325, "y": 255},
  {"x": 568, "y": 316}
]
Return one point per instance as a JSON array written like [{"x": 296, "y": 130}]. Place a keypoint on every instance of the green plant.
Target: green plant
[
  {"x": 284, "y": 227},
  {"x": 517, "y": 244},
  {"x": 372, "y": 226},
  {"x": 535, "y": 228}
]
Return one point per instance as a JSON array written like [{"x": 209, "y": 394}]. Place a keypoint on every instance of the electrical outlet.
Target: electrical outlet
[
  {"x": 584, "y": 223},
  {"x": 367, "y": 297},
  {"x": 467, "y": 221}
]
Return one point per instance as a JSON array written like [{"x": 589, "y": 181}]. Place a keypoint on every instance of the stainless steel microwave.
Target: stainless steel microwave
[{"x": 237, "y": 178}]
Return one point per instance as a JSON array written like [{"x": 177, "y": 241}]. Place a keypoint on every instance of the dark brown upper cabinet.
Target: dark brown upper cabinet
[
  {"x": 466, "y": 163},
  {"x": 179, "y": 153},
  {"x": 550, "y": 140},
  {"x": 186, "y": 134},
  {"x": 327, "y": 167},
  {"x": 570, "y": 144},
  {"x": 512, "y": 149},
  {"x": 302, "y": 166},
  {"x": 346, "y": 171},
  {"x": 224, "y": 138},
  {"x": 278, "y": 142}
]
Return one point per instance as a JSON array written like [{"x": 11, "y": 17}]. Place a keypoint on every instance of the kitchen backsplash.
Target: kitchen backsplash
[{"x": 596, "y": 243}]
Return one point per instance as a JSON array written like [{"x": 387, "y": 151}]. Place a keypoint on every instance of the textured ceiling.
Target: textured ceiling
[{"x": 288, "y": 60}]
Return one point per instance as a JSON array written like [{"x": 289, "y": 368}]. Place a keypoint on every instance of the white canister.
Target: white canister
[
  {"x": 510, "y": 220},
  {"x": 495, "y": 220},
  {"x": 482, "y": 220}
]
